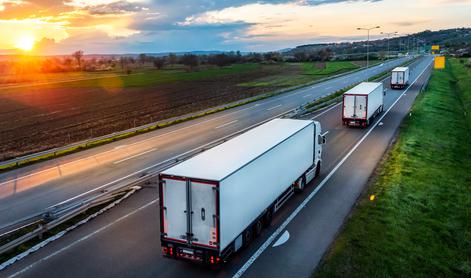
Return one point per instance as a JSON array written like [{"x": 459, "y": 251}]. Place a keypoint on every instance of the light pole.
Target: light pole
[
  {"x": 389, "y": 34},
  {"x": 368, "y": 46}
]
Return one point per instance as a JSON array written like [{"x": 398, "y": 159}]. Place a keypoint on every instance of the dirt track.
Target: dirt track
[{"x": 40, "y": 118}]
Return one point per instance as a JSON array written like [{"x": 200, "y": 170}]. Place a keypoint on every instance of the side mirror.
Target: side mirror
[{"x": 324, "y": 140}]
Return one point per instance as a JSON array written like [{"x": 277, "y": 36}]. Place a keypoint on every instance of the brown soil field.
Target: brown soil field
[{"x": 43, "y": 117}]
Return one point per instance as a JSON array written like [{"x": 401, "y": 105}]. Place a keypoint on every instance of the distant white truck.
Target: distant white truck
[
  {"x": 215, "y": 203},
  {"x": 362, "y": 103},
  {"x": 400, "y": 77}
]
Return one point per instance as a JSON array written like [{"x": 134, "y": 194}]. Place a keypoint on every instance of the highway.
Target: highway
[
  {"x": 30, "y": 190},
  {"x": 125, "y": 241}
]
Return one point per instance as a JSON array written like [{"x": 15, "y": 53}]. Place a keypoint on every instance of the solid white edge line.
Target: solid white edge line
[
  {"x": 282, "y": 227},
  {"x": 134, "y": 156}
]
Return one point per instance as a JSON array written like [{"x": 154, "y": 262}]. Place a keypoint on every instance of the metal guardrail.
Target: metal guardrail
[{"x": 24, "y": 159}]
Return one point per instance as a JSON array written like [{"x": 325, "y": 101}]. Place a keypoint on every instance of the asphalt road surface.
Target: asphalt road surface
[
  {"x": 124, "y": 242},
  {"x": 30, "y": 190}
]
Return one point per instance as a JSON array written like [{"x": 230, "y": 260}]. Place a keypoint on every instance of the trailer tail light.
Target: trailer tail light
[
  {"x": 167, "y": 251},
  {"x": 214, "y": 259}
]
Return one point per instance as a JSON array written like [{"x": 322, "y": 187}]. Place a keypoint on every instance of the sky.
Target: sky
[{"x": 150, "y": 26}]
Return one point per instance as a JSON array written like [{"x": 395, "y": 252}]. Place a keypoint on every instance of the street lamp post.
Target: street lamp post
[
  {"x": 389, "y": 34},
  {"x": 368, "y": 46}
]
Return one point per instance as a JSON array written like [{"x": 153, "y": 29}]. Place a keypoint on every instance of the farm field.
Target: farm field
[
  {"x": 36, "y": 118},
  {"x": 418, "y": 223}
]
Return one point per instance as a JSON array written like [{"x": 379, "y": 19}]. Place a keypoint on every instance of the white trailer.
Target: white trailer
[
  {"x": 362, "y": 103},
  {"x": 213, "y": 204},
  {"x": 400, "y": 77}
]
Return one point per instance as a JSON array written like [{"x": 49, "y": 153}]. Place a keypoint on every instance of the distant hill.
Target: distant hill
[{"x": 450, "y": 39}]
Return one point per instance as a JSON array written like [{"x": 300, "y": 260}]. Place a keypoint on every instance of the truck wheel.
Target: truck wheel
[
  {"x": 301, "y": 183},
  {"x": 247, "y": 236},
  {"x": 267, "y": 218},
  {"x": 318, "y": 170},
  {"x": 257, "y": 228}
]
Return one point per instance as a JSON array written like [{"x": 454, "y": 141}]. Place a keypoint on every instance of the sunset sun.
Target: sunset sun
[{"x": 25, "y": 43}]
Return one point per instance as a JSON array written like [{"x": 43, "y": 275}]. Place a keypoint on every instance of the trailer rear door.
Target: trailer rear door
[
  {"x": 354, "y": 106},
  {"x": 181, "y": 196},
  {"x": 394, "y": 77},
  {"x": 174, "y": 209},
  {"x": 204, "y": 217},
  {"x": 360, "y": 105},
  {"x": 400, "y": 77}
]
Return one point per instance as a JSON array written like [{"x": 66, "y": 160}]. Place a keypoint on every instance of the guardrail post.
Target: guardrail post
[{"x": 40, "y": 235}]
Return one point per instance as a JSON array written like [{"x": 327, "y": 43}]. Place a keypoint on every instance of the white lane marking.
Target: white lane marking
[
  {"x": 290, "y": 218},
  {"x": 274, "y": 107},
  {"x": 83, "y": 238},
  {"x": 325, "y": 133},
  {"x": 179, "y": 129},
  {"x": 283, "y": 239},
  {"x": 167, "y": 160},
  {"x": 134, "y": 156},
  {"x": 51, "y": 168},
  {"x": 325, "y": 111},
  {"x": 328, "y": 88},
  {"x": 226, "y": 124},
  {"x": 119, "y": 147},
  {"x": 308, "y": 95}
]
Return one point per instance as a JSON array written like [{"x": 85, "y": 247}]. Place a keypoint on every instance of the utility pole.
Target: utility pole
[
  {"x": 368, "y": 46},
  {"x": 389, "y": 34}
]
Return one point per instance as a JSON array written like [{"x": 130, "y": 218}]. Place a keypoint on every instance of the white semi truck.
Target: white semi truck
[
  {"x": 400, "y": 77},
  {"x": 215, "y": 203},
  {"x": 362, "y": 103}
]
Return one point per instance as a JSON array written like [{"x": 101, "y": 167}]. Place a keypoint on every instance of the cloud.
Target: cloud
[
  {"x": 409, "y": 23},
  {"x": 120, "y": 7},
  {"x": 6, "y": 3},
  {"x": 182, "y": 25},
  {"x": 108, "y": 7}
]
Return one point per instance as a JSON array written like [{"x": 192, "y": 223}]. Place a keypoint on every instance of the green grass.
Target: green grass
[
  {"x": 156, "y": 77},
  {"x": 304, "y": 73},
  {"x": 333, "y": 67},
  {"x": 419, "y": 223}
]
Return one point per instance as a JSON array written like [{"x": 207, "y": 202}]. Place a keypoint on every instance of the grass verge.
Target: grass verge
[{"x": 419, "y": 222}]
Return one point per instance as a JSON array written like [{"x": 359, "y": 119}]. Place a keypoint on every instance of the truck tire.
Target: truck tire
[
  {"x": 318, "y": 170},
  {"x": 267, "y": 217},
  {"x": 301, "y": 183},
  {"x": 257, "y": 228},
  {"x": 247, "y": 236}
]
